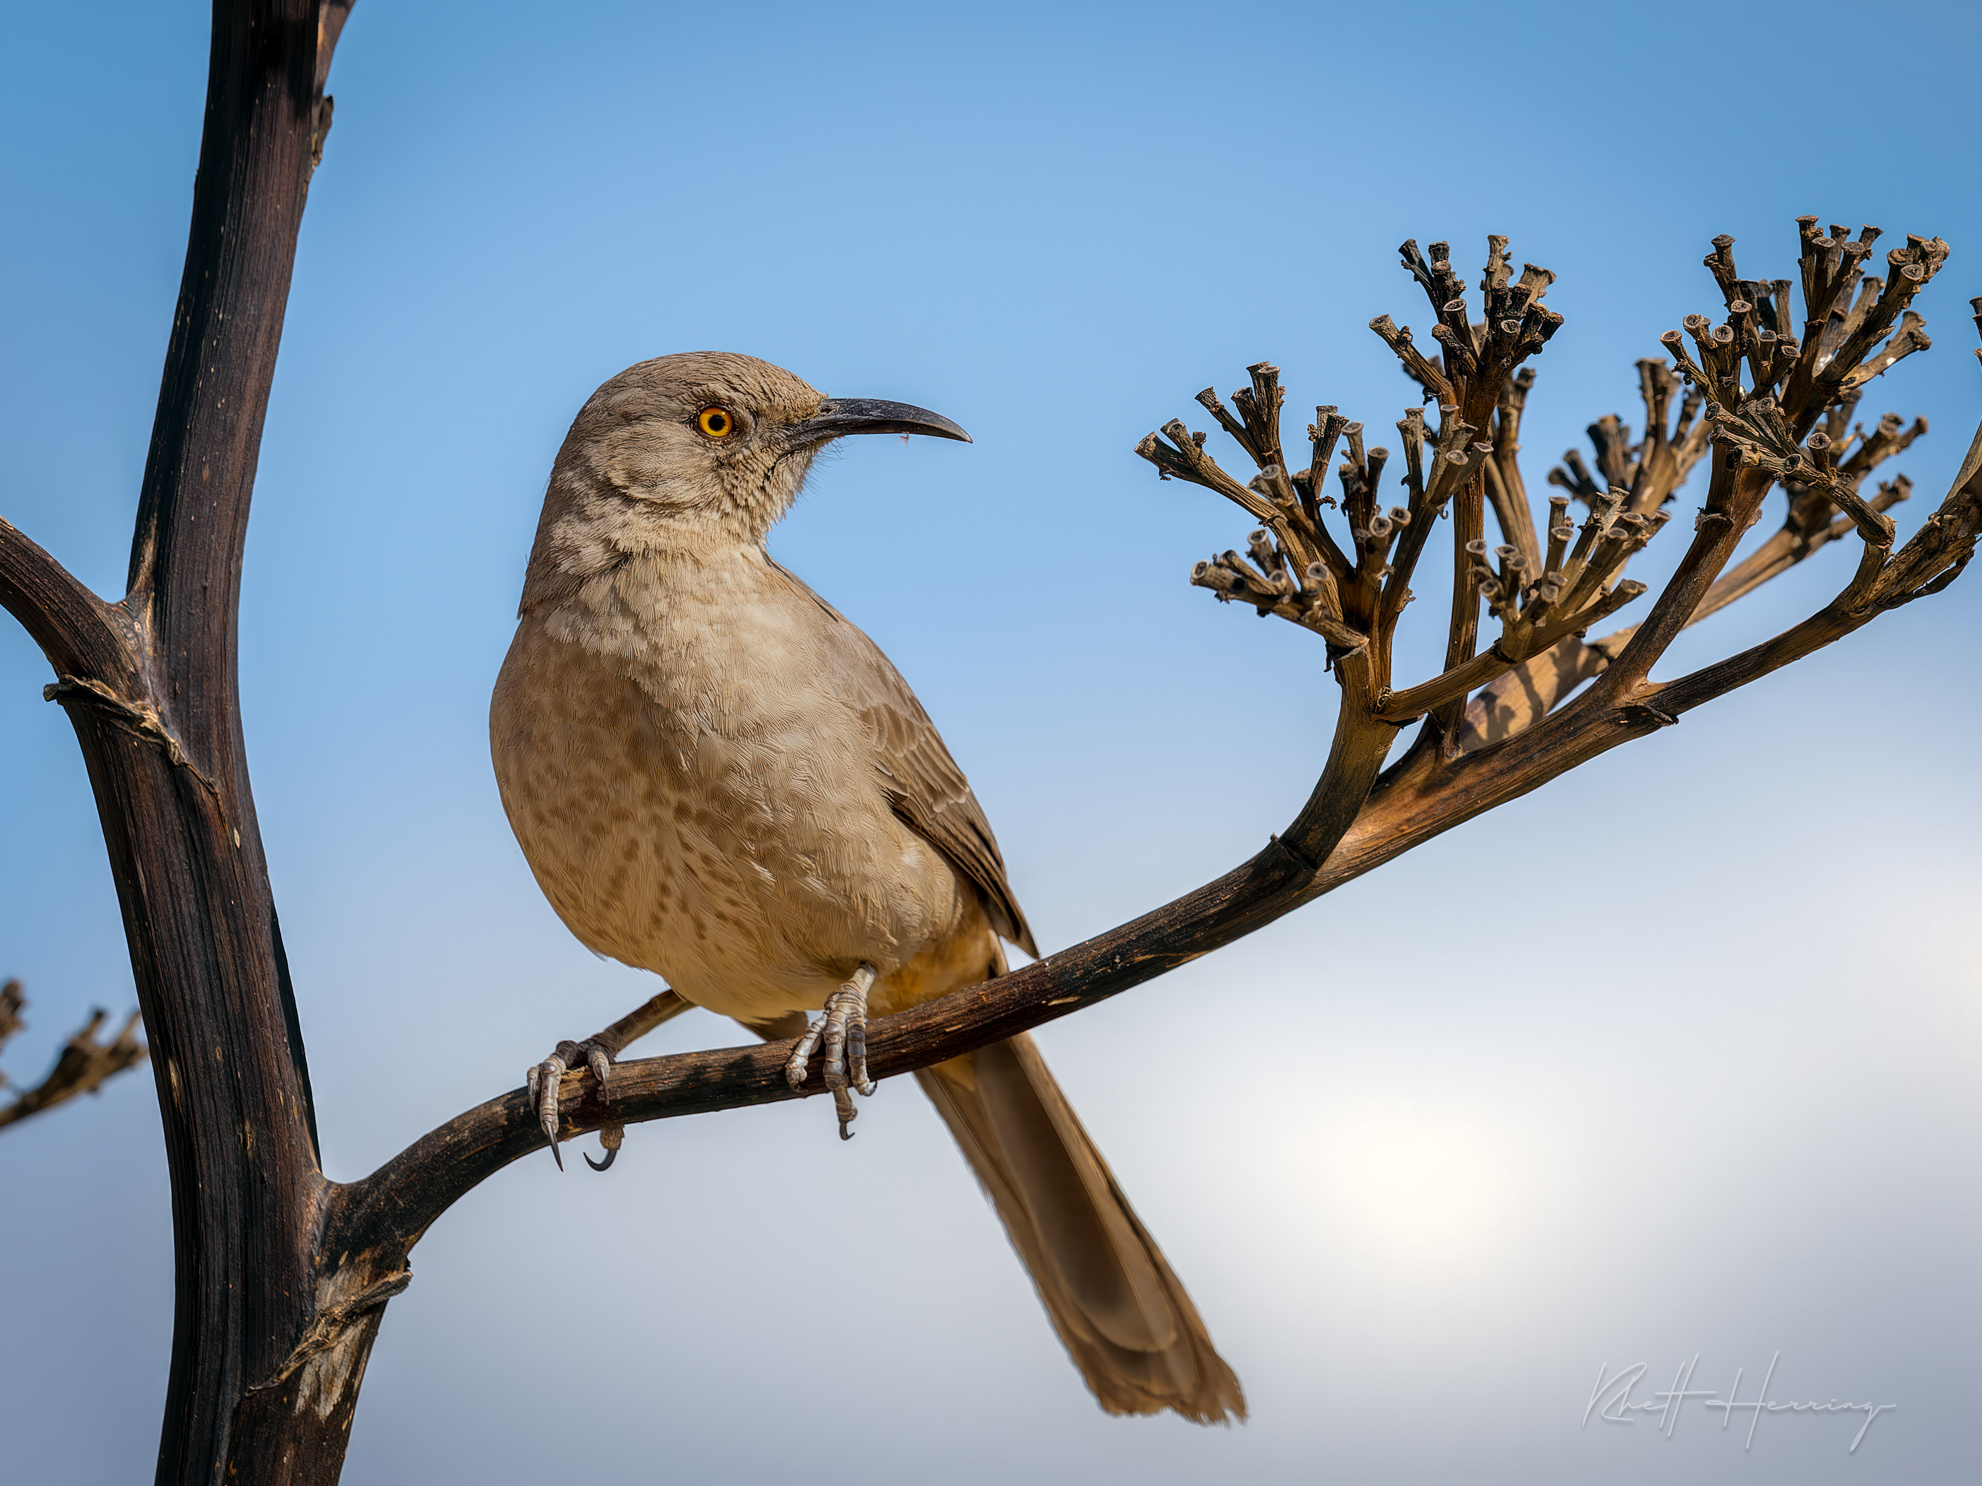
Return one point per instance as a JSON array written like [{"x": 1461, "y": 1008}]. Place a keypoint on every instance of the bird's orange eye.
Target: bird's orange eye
[{"x": 716, "y": 422}]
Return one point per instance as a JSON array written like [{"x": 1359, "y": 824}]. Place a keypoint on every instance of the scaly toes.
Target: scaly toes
[
  {"x": 842, "y": 1034},
  {"x": 801, "y": 1054},
  {"x": 838, "y": 1012},
  {"x": 543, "y": 1082},
  {"x": 856, "y": 1056}
]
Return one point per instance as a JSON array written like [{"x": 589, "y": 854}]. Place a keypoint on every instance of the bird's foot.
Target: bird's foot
[
  {"x": 843, "y": 1030},
  {"x": 596, "y": 1053}
]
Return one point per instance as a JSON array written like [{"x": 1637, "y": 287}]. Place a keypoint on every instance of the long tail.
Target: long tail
[{"x": 1122, "y": 1314}]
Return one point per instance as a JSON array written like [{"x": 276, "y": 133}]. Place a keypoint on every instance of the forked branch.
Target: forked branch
[{"x": 79, "y": 633}]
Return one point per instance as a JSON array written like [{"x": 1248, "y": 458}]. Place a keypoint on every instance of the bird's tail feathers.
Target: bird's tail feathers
[{"x": 1121, "y": 1312}]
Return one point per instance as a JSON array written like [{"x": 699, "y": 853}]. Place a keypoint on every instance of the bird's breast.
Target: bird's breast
[{"x": 696, "y": 797}]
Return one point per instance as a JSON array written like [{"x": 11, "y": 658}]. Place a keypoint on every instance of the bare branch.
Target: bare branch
[
  {"x": 167, "y": 759},
  {"x": 1936, "y": 555},
  {"x": 76, "y": 630},
  {"x": 1529, "y": 691},
  {"x": 82, "y": 1067},
  {"x": 643, "y": 1019}
]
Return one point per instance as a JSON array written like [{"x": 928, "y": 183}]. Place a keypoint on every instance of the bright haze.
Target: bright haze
[{"x": 1678, "y": 1057}]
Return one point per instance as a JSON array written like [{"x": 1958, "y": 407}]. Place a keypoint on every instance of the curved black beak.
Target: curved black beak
[{"x": 844, "y": 415}]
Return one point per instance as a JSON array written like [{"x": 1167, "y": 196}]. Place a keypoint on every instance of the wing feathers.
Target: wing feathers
[{"x": 922, "y": 783}]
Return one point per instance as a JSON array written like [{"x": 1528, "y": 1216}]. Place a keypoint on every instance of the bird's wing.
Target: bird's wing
[{"x": 922, "y": 783}]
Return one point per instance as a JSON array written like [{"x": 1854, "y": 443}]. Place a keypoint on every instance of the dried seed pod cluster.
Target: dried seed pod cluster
[
  {"x": 1352, "y": 593},
  {"x": 1759, "y": 436},
  {"x": 1847, "y": 312},
  {"x": 1651, "y": 470},
  {"x": 1774, "y": 405},
  {"x": 1571, "y": 582}
]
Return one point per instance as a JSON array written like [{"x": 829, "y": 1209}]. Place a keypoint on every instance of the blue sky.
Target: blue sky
[{"x": 1685, "y": 1059}]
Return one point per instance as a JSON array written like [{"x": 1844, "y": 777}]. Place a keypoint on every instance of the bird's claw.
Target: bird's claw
[
  {"x": 843, "y": 1031},
  {"x": 611, "y": 1137},
  {"x": 543, "y": 1081}
]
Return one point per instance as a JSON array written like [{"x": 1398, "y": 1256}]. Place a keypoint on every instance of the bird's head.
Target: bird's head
[{"x": 697, "y": 450}]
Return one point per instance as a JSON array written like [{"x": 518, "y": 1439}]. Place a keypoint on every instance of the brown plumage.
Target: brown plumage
[{"x": 717, "y": 777}]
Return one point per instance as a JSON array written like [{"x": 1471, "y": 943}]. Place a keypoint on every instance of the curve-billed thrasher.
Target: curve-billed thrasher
[{"x": 716, "y": 777}]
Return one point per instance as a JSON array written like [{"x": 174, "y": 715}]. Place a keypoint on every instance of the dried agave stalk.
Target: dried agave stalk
[{"x": 1774, "y": 408}]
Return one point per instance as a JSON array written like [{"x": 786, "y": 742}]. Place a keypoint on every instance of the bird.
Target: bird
[{"x": 715, "y": 776}]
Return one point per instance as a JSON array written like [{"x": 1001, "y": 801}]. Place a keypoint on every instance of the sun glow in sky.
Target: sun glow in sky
[{"x": 1433, "y": 1190}]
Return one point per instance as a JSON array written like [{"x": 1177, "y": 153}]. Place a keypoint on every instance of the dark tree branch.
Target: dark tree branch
[
  {"x": 76, "y": 630},
  {"x": 150, "y": 687}
]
